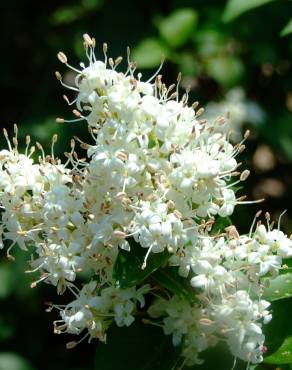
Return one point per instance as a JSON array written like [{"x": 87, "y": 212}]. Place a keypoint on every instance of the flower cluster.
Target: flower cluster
[{"x": 155, "y": 173}]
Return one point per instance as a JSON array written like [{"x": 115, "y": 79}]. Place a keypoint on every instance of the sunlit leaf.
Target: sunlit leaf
[
  {"x": 149, "y": 52},
  {"x": 287, "y": 29},
  {"x": 12, "y": 361},
  {"x": 234, "y": 8},
  {"x": 66, "y": 15},
  {"x": 226, "y": 70},
  {"x": 210, "y": 42},
  {"x": 279, "y": 288},
  {"x": 283, "y": 355},
  {"x": 178, "y": 26}
]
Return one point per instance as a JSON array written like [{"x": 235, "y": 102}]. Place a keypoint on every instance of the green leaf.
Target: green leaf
[
  {"x": 279, "y": 288},
  {"x": 283, "y": 355},
  {"x": 66, "y": 15},
  {"x": 188, "y": 64},
  {"x": 149, "y": 52},
  {"x": 287, "y": 29},
  {"x": 280, "y": 326},
  {"x": 6, "y": 280},
  {"x": 169, "y": 278},
  {"x": 12, "y": 361},
  {"x": 234, "y": 8},
  {"x": 218, "y": 358},
  {"x": 177, "y": 28},
  {"x": 128, "y": 270},
  {"x": 226, "y": 70},
  {"x": 138, "y": 347},
  {"x": 220, "y": 224}
]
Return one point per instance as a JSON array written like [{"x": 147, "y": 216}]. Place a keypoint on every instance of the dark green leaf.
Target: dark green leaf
[
  {"x": 6, "y": 280},
  {"x": 280, "y": 327},
  {"x": 168, "y": 278},
  {"x": 234, "y": 8},
  {"x": 138, "y": 347},
  {"x": 220, "y": 224},
  {"x": 178, "y": 26},
  {"x": 128, "y": 270},
  {"x": 218, "y": 358},
  {"x": 279, "y": 288}
]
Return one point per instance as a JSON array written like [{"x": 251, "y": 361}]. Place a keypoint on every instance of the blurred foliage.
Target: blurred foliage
[{"x": 217, "y": 45}]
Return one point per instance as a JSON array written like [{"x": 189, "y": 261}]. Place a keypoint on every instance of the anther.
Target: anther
[
  {"x": 71, "y": 345},
  {"x": 76, "y": 113},
  {"x": 60, "y": 120},
  {"x": 119, "y": 234},
  {"x": 111, "y": 62},
  {"x": 87, "y": 39},
  {"x": 244, "y": 175},
  {"x": 62, "y": 57},
  {"x": 246, "y": 134},
  {"x": 200, "y": 112},
  {"x": 58, "y": 76},
  {"x": 118, "y": 60},
  {"x": 5, "y": 133}
]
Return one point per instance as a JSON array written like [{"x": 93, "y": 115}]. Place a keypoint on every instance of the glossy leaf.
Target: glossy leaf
[
  {"x": 178, "y": 26},
  {"x": 280, "y": 327},
  {"x": 283, "y": 355},
  {"x": 128, "y": 270},
  {"x": 234, "y": 8},
  {"x": 138, "y": 347},
  {"x": 279, "y": 288}
]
